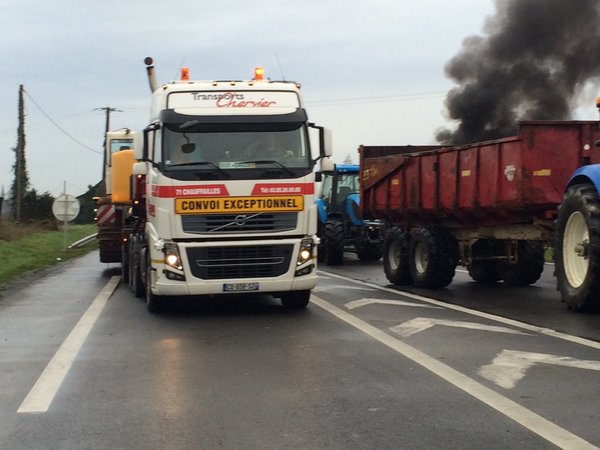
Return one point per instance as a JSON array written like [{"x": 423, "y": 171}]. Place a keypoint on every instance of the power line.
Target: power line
[
  {"x": 59, "y": 127},
  {"x": 374, "y": 99}
]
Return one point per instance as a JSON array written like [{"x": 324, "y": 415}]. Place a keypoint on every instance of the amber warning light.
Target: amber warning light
[
  {"x": 259, "y": 73},
  {"x": 185, "y": 74}
]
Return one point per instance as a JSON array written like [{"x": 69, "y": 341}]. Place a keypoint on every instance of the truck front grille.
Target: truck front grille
[
  {"x": 238, "y": 223},
  {"x": 251, "y": 261}
]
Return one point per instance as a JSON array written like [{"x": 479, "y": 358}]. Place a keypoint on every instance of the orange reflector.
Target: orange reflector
[
  {"x": 598, "y": 102},
  {"x": 258, "y": 73},
  {"x": 185, "y": 74}
]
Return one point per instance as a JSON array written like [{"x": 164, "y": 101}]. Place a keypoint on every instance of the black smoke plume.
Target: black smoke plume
[{"x": 531, "y": 63}]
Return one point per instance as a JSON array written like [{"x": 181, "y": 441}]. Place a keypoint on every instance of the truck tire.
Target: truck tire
[
  {"x": 577, "y": 248},
  {"x": 395, "y": 257},
  {"x": 529, "y": 265},
  {"x": 433, "y": 257},
  {"x": 154, "y": 303},
  {"x": 295, "y": 299},
  {"x": 136, "y": 282},
  {"x": 334, "y": 242}
]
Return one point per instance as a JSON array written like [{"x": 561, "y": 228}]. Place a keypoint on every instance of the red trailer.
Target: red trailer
[{"x": 491, "y": 206}]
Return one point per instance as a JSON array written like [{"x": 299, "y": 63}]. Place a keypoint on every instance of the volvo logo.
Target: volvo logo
[{"x": 240, "y": 220}]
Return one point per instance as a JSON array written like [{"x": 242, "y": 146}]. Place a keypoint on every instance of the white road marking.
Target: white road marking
[
  {"x": 523, "y": 416},
  {"x": 370, "y": 301},
  {"x": 472, "y": 312},
  {"x": 338, "y": 286},
  {"x": 43, "y": 392},
  {"x": 419, "y": 324},
  {"x": 510, "y": 366}
]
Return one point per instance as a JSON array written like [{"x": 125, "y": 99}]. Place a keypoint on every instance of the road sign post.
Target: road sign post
[{"x": 65, "y": 208}]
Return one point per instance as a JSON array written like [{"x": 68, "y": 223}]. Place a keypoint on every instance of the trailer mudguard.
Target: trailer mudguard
[{"x": 586, "y": 174}]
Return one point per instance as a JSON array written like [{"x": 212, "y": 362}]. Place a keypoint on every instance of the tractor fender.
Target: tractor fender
[{"x": 586, "y": 174}]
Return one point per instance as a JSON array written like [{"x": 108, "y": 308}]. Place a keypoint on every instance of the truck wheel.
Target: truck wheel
[
  {"x": 577, "y": 248},
  {"x": 154, "y": 303},
  {"x": 433, "y": 257},
  {"x": 136, "y": 282},
  {"x": 529, "y": 266},
  {"x": 395, "y": 257},
  {"x": 334, "y": 242},
  {"x": 295, "y": 299}
]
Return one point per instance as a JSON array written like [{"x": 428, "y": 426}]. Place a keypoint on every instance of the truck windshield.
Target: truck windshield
[{"x": 190, "y": 146}]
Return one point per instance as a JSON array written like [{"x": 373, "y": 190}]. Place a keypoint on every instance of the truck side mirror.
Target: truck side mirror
[{"x": 327, "y": 165}]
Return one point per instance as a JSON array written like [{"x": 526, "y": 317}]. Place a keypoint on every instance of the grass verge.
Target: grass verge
[{"x": 42, "y": 248}]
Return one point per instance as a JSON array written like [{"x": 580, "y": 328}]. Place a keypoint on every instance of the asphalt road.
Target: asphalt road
[{"x": 84, "y": 366}]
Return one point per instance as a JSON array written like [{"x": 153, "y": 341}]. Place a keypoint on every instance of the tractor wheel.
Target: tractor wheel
[
  {"x": 368, "y": 252},
  {"x": 334, "y": 242},
  {"x": 577, "y": 248},
  {"x": 529, "y": 266},
  {"x": 395, "y": 256},
  {"x": 433, "y": 257}
]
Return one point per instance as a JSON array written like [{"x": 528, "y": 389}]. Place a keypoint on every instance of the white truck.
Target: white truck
[{"x": 223, "y": 192}]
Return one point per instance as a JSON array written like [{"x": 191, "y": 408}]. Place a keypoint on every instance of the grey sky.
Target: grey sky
[{"x": 372, "y": 72}]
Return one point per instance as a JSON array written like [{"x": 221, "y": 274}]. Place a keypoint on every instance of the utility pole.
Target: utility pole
[
  {"x": 20, "y": 162},
  {"x": 107, "y": 110}
]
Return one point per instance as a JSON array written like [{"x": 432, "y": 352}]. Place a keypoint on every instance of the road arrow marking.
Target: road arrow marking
[
  {"x": 510, "y": 366},
  {"x": 370, "y": 301},
  {"x": 422, "y": 323}
]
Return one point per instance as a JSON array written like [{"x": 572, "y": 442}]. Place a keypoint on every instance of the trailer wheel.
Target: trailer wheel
[
  {"x": 433, "y": 257},
  {"x": 486, "y": 272},
  {"x": 295, "y": 299},
  {"x": 577, "y": 248},
  {"x": 154, "y": 303},
  {"x": 395, "y": 257},
  {"x": 529, "y": 265},
  {"x": 482, "y": 267},
  {"x": 334, "y": 242}
]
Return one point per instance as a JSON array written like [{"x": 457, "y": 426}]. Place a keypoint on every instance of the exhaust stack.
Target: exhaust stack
[{"x": 151, "y": 74}]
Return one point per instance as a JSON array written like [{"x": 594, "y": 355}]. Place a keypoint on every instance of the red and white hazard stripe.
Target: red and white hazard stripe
[{"x": 105, "y": 214}]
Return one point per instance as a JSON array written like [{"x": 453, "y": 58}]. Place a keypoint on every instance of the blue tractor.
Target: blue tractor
[{"x": 340, "y": 227}]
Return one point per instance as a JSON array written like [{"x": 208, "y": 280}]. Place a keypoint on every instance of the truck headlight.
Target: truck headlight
[
  {"x": 172, "y": 258},
  {"x": 306, "y": 251}
]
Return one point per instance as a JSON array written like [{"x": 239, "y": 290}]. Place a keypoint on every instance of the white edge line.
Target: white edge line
[
  {"x": 514, "y": 323},
  {"x": 532, "y": 421},
  {"x": 42, "y": 394}
]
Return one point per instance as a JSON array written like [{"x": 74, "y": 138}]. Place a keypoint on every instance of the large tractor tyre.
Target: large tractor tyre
[
  {"x": 395, "y": 257},
  {"x": 295, "y": 299},
  {"x": 529, "y": 266},
  {"x": 486, "y": 272},
  {"x": 334, "y": 242},
  {"x": 433, "y": 256},
  {"x": 322, "y": 250},
  {"x": 577, "y": 248}
]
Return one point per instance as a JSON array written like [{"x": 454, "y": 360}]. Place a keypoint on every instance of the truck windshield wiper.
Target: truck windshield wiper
[
  {"x": 202, "y": 163},
  {"x": 271, "y": 161}
]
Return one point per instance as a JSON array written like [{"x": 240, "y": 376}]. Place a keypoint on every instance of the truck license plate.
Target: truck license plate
[{"x": 240, "y": 287}]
